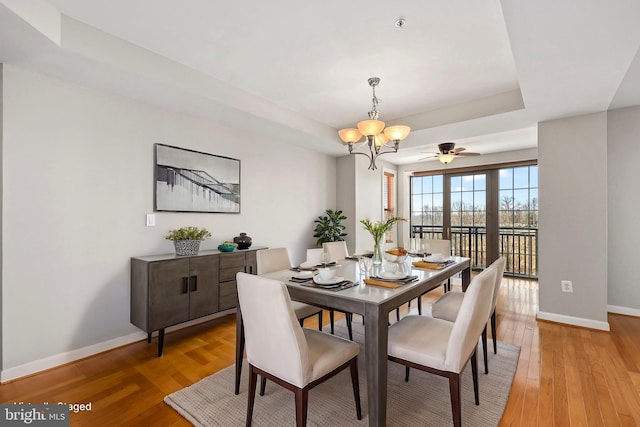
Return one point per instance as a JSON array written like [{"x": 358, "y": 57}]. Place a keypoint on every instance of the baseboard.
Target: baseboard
[
  {"x": 575, "y": 321},
  {"x": 69, "y": 356},
  {"x": 623, "y": 310},
  {"x": 80, "y": 353}
]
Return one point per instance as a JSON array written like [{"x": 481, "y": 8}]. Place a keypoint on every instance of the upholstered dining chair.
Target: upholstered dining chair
[
  {"x": 436, "y": 246},
  {"x": 279, "y": 349},
  {"x": 337, "y": 250},
  {"x": 274, "y": 259},
  {"x": 447, "y": 306},
  {"x": 444, "y": 348}
]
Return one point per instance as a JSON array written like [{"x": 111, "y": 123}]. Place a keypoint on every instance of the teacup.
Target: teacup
[{"x": 325, "y": 274}]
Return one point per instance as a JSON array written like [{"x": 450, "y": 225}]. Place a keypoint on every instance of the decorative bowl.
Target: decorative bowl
[{"x": 227, "y": 247}]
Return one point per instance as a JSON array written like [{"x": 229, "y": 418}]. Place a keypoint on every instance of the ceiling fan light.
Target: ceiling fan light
[
  {"x": 370, "y": 127},
  {"x": 446, "y": 158},
  {"x": 349, "y": 135},
  {"x": 397, "y": 133}
]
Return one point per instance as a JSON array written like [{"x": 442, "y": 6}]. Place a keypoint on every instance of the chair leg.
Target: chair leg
[
  {"x": 263, "y": 385},
  {"x": 320, "y": 321},
  {"x": 484, "y": 350},
  {"x": 406, "y": 374},
  {"x": 493, "y": 332},
  {"x": 301, "y": 321},
  {"x": 397, "y": 314},
  {"x": 474, "y": 374},
  {"x": 253, "y": 379},
  {"x": 349, "y": 318},
  {"x": 356, "y": 386},
  {"x": 302, "y": 400},
  {"x": 420, "y": 305},
  {"x": 331, "y": 316},
  {"x": 455, "y": 392}
]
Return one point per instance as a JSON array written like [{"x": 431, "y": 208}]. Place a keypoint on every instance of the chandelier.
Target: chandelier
[{"x": 376, "y": 137}]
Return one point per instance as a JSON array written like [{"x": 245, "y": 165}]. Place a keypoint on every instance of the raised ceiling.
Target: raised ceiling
[{"x": 482, "y": 72}]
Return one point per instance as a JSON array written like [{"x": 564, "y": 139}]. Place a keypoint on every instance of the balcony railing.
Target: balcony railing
[{"x": 518, "y": 244}]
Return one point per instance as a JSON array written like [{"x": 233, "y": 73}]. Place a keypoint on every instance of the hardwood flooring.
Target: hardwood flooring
[{"x": 566, "y": 376}]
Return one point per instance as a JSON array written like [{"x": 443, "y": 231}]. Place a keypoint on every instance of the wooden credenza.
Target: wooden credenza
[{"x": 167, "y": 290}]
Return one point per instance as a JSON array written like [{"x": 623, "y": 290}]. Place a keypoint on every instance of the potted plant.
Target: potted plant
[
  {"x": 329, "y": 227},
  {"x": 377, "y": 230},
  {"x": 187, "y": 239}
]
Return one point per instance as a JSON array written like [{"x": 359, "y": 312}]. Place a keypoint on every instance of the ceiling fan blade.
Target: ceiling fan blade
[
  {"x": 467, "y": 154},
  {"x": 457, "y": 150}
]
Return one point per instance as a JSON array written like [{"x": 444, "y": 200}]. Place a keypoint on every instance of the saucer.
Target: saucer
[{"x": 332, "y": 281}]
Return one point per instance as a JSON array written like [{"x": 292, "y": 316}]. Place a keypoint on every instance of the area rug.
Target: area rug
[{"x": 423, "y": 401}]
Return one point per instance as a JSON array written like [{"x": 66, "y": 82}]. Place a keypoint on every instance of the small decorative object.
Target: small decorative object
[
  {"x": 227, "y": 246},
  {"x": 329, "y": 228},
  {"x": 187, "y": 239},
  {"x": 377, "y": 231},
  {"x": 243, "y": 241}
]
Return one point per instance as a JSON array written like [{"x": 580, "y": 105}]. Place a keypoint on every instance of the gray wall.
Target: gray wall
[
  {"x": 623, "y": 159},
  {"x": 77, "y": 177},
  {"x": 572, "y": 160}
]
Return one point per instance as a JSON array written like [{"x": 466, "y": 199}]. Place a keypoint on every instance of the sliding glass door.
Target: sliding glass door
[{"x": 485, "y": 214}]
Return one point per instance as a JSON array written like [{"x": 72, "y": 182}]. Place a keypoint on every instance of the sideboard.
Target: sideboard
[{"x": 167, "y": 290}]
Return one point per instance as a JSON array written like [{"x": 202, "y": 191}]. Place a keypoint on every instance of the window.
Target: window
[{"x": 388, "y": 200}]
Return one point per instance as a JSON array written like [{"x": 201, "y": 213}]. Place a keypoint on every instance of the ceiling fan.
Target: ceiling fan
[{"x": 448, "y": 152}]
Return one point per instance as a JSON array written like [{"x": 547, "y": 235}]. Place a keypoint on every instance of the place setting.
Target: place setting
[{"x": 433, "y": 262}]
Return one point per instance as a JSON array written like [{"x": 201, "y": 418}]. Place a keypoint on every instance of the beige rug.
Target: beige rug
[{"x": 423, "y": 401}]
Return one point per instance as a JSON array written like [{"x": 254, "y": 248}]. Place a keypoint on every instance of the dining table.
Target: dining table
[{"x": 374, "y": 303}]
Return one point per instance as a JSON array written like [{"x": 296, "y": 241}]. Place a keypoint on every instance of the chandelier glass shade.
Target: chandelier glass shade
[{"x": 376, "y": 137}]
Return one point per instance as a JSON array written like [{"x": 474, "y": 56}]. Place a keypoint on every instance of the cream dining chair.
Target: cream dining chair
[
  {"x": 338, "y": 251},
  {"x": 444, "y": 348},
  {"x": 275, "y": 259},
  {"x": 436, "y": 246},
  {"x": 447, "y": 306},
  {"x": 280, "y": 350}
]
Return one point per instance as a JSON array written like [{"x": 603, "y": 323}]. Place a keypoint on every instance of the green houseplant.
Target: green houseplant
[
  {"x": 187, "y": 239},
  {"x": 329, "y": 227},
  {"x": 377, "y": 231}
]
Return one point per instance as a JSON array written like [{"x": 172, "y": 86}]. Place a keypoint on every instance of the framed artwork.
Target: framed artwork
[{"x": 192, "y": 181}]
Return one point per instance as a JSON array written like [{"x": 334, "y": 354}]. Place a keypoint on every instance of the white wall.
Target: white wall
[
  {"x": 623, "y": 200},
  {"x": 572, "y": 170},
  {"x": 77, "y": 170}
]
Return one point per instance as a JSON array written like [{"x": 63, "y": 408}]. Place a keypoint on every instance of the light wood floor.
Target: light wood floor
[{"x": 566, "y": 376}]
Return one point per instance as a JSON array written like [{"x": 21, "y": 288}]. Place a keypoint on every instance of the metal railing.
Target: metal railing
[{"x": 518, "y": 244}]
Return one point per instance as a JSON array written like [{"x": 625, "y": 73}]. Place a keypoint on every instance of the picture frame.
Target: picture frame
[{"x": 192, "y": 181}]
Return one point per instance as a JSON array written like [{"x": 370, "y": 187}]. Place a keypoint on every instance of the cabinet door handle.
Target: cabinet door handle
[
  {"x": 185, "y": 285},
  {"x": 194, "y": 283}
]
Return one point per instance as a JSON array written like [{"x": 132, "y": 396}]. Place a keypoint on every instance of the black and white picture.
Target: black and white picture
[{"x": 191, "y": 181}]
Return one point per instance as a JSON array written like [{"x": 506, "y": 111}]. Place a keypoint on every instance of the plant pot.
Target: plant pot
[{"x": 187, "y": 247}]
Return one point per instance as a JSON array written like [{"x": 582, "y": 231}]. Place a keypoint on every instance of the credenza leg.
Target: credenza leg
[
  {"x": 148, "y": 337},
  {"x": 160, "y": 341}
]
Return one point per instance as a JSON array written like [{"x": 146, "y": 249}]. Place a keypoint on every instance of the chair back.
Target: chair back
[
  {"x": 500, "y": 264},
  {"x": 471, "y": 320},
  {"x": 336, "y": 250},
  {"x": 274, "y": 339},
  {"x": 272, "y": 259},
  {"x": 314, "y": 256},
  {"x": 438, "y": 246}
]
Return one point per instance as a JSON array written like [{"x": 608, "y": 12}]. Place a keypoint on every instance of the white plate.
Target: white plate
[
  {"x": 334, "y": 280},
  {"x": 303, "y": 274},
  {"x": 389, "y": 275},
  {"x": 435, "y": 258}
]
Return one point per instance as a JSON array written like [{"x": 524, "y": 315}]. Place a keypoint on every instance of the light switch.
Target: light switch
[{"x": 151, "y": 220}]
